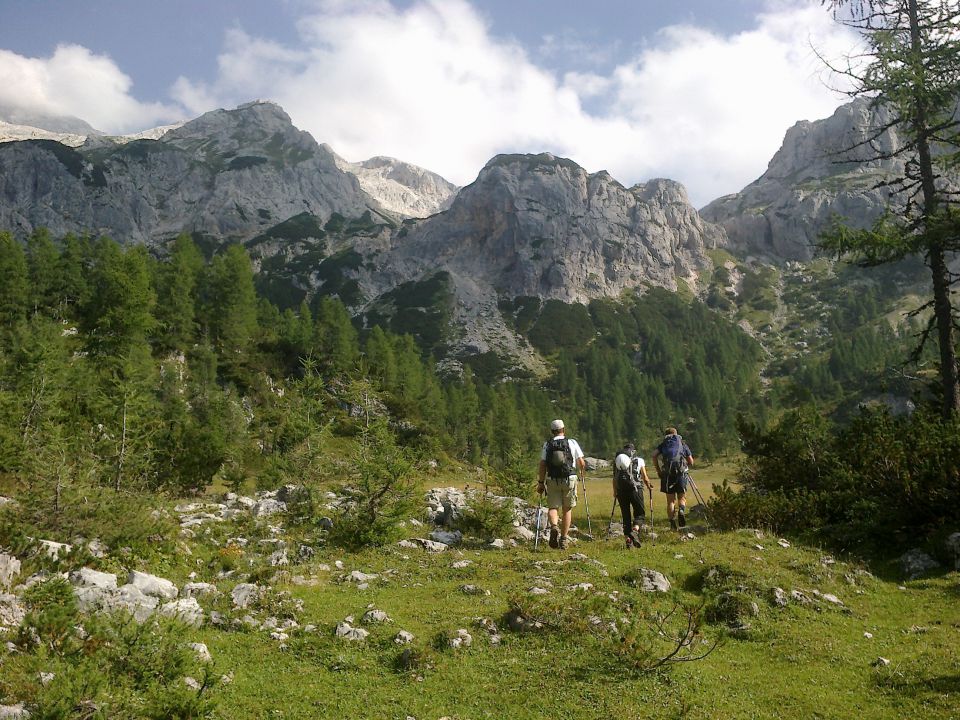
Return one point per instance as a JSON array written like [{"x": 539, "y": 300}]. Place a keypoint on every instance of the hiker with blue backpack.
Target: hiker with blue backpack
[
  {"x": 557, "y": 474},
  {"x": 672, "y": 459}
]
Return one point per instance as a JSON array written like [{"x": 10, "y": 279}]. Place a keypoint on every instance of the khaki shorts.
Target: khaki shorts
[{"x": 561, "y": 493}]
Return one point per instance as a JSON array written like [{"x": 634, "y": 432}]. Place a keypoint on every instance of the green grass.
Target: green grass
[{"x": 792, "y": 662}]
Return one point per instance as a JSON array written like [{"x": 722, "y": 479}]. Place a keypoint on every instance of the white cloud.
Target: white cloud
[
  {"x": 75, "y": 81},
  {"x": 430, "y": 84}
]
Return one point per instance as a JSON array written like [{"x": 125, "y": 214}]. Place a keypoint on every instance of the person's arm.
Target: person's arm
[
  {"x": 646, "y": 480},
  {"x": 655, "y": 458}
]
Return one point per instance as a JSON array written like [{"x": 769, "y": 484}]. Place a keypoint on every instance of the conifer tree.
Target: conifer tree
[{"x": 13, "y": 282}]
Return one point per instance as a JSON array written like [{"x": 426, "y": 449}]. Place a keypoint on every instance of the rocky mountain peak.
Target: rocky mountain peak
[{"x": 400, "y": 187}]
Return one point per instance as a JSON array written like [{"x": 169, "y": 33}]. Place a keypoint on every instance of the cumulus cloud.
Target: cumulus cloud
[
  {"x": 431, "y": 84},
  {"x": 76, "y": 82}
]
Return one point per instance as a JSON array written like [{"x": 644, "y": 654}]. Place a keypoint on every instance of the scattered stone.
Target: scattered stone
[
  {"x": 279, "y": 558},
  {"x": 915, "y": 563},
  {"x": 447, "y": 537},
  {"x": 191, "y": 683},
  {"x": 279, "y": 636},
  {"x": 832, "y": 599},
  {"x": 403, "y": 638},
  {"x": 881, "y": 662},
  {"x": 461, "y": 639},
  {"x": 759, "y": 547},
  {"x": 46, "y": 678},
  {"x": 348, "y": 632},
  {"x": 800, "y": 597},
  {"x": 461, "y": 564},
  {"x": 186, "y": 610},
  {"x": 9, "y": 569},
  {"x": 783, "y": 543},
  {"x": 497, "y": 544},
  {"x": 361, "y": 577},
  {"x": 581, "y": 587},
  {"x": 473, "y": 590},
  {"x": 523, "y": 533},
  {"x": 85, "y": 577},
  {"x": 539, "y": 591},
  {"x": 432, "y": 545},
  {"x": 868, "y": 635},
  {"x": 201, "y": 651},
  {"x": 13, "y": 712},
  {"x": 653, "y": 581},
  {"x": 244, "y": 594},
  {"x": 375, "y": 617},
  {"x": 779, "y": 597},
  {"x": 152, "y": 585},
  {"x": 267, "y": 507},
  {"x": 54, "y": 550},
  {"x": 953, "y": 546},
  {"x": 408, "y": 544},
  {"x": 199, "y": 589}
]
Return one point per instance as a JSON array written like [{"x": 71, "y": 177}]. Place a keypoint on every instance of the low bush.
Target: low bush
[{"x": 486, "y": 517}]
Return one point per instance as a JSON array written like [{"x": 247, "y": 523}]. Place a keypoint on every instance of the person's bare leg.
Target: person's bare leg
[{"x": 566, "y": 521}]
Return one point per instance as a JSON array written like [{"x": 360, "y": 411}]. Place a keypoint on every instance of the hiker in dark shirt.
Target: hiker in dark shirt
[{"x": 672, "y": 459}]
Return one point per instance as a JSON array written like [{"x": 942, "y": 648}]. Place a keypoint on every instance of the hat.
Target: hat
[
  {"x": 556, "y": 425},
  {"x": 670, "y": 431},
  {"x": 629, "y": 448}
]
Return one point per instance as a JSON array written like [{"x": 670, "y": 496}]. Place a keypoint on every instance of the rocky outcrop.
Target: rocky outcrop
[
  {"x": 823, "y": 168},
  {"x": 401, "y": 188},
  {"x": 230, "y": 173}
]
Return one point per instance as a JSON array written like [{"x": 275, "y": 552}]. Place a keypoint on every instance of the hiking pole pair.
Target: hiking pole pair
[
  {"x": 696, "y": 493},
  {"x": 610, "y": 521}
]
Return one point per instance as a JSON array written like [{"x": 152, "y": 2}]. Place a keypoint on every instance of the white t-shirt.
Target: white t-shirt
[{"x": 574, "y": 446}]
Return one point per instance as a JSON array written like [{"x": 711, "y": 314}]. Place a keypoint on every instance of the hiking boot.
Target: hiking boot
[
  {"x": 554, "y": 535},
  {"x": 629, "y": 542},
  {"x": 673, "y": 524},
  {"x": 682, "y": 518},
  {"x": 564, "y": 542}
]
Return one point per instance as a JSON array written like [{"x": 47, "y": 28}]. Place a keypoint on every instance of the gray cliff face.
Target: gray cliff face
[
  {"x": 823, "y": 168},
  {"x": 541, "y": 226},
  {"x": 400, "y": 187},
  {"x": 229, "y": 173},
  {"x": 536, "y": 225}
]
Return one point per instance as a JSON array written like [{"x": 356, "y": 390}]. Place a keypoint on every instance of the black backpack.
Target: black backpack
[{"x": 559, "y": 459}]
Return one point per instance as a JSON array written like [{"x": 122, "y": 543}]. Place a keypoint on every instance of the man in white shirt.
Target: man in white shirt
[
  {"x": 629, "y": 471},
  {"x": 560, "y": 461}
]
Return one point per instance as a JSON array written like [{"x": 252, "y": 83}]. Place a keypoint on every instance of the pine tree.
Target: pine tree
[
  {"x": 13, "y": 282},
  {"x": 177, "y": 294}
]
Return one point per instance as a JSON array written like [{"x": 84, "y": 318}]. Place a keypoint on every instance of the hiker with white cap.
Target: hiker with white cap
[
  {"x": 629, "y": 477},
  {"x": 557, "y": 475}
]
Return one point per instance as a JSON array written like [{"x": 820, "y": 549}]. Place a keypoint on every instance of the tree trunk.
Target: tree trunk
[{"x": 942, "y": 309}]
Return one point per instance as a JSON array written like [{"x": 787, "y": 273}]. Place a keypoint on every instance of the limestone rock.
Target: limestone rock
[
  {"x": 375, "y": 617},
  {"x": 201, "y": 651},
  {"x": 653, "y": 581},
  {"x": 11, "y": 611},
  {"x": 244, "y": 595},
  {"x": 447, "y": 537},
  {"x": 915, "y": 563},
  {"x": 186, "y": 610},
  {"x": 953, "y": 546},
  {"x": 462, "y": 638},
  {"x": 152, "y": 585},
  {"x": 85, "y": 577},
  {"x": 403, "y": 638},
  {"x": 199, "y": 589},
  {"x": 267, "y": 507},
  {"x": 348, "y": 632},
  {"x": 9, "y": 569}
]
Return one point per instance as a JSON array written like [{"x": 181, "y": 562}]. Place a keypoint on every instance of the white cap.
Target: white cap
[{"x": 556, "y": 425}]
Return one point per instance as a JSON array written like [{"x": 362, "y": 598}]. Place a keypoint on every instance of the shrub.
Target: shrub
[{"x": 486, "y": 517}]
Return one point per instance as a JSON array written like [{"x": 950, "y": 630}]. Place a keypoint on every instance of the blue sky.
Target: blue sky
[{"x": 698, "y": 91}]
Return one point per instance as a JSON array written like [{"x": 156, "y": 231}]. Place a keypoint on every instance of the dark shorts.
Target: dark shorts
[{"x": 677, "y": 485}]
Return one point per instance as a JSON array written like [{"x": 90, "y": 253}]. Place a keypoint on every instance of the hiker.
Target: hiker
[
  {"x": 629, "y": 470},
  {"x": 557, "y": 476},
  {"x": 672, "y": 459}
]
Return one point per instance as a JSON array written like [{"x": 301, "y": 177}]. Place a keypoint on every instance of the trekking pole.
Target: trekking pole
[
  {"x": 703, "y": 503},
  {"x": 610, "y": 522},
  {"x": 536, "y": 540},
  {"x": 650, "y": 491},
  {"x": 586, "y": 505}
]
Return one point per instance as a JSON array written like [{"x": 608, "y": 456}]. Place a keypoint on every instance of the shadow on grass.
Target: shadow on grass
[{"x": 940, "y": 684}]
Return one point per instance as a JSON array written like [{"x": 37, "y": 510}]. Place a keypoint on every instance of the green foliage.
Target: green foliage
[
  {"x": 380, "y": 496},
  {"x": 879, "y": 478},
  {"x": 486, "y": 517}
]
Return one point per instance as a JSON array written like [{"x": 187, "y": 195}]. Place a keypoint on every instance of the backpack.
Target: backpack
[
  {"x": 674, "y": 457},
  {"x": 559, "y": 459},
  {"x": 626, "y": 476}
]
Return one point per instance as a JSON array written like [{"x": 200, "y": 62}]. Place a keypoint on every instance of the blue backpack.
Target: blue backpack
[{"x": 674, "y": 457}]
